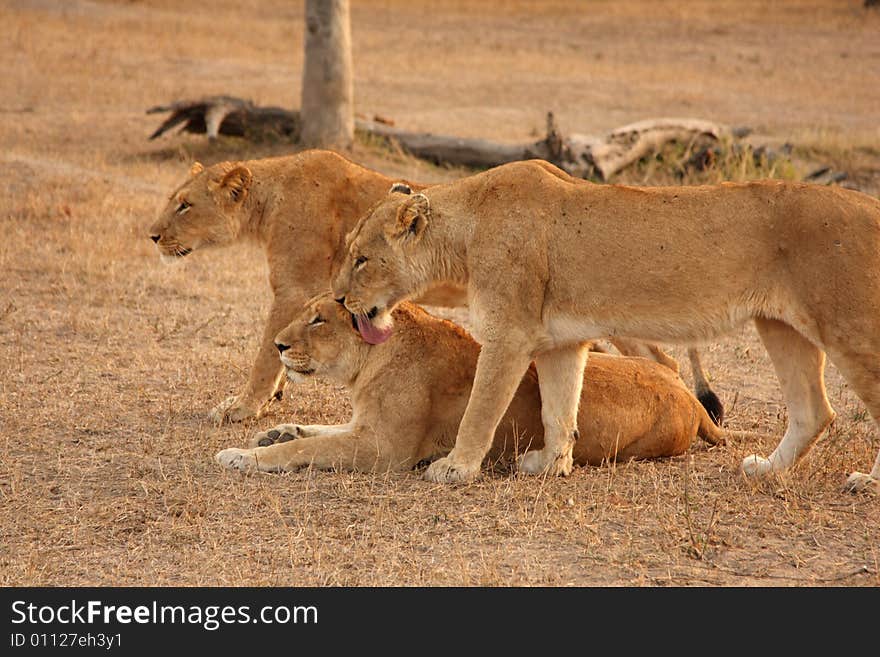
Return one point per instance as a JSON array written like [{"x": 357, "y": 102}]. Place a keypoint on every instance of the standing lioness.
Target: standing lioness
[
  {"x": 409, "y": 393},
  {"x": 548, "y": 264},
  {"x": 298, "y": 208}
]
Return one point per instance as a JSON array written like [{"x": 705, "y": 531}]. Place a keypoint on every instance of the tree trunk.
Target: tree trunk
[{"x": 327, "y": 92}]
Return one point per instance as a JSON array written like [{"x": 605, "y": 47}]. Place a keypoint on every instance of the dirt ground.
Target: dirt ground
[{"x": 110, "y": 361}]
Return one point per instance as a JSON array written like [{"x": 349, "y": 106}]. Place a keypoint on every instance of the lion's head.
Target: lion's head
[
  {"x": 204, "y": 211},
  {"x": 384, "y": 261},
  {"x": 323, "y": 340}
]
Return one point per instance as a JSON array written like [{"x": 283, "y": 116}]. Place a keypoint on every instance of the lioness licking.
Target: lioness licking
[
  {"x": 409, "y": 393},
  {"x": 549, "y": 263}
]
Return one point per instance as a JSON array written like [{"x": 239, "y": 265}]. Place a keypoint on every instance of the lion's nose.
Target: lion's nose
[
  {"x": 155, "y": 238},
  {"x": 282, "y": 347},
  {"x": 341, "y": 300}
]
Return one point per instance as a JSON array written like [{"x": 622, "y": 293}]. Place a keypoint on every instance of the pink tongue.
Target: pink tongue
[{"x": 370, "y": 333}]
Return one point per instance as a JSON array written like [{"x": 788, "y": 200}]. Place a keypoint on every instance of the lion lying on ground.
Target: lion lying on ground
[
  {"x": 549, "y": 264},
  {"x": 299, "y": 209},
  {"x": 409, "y": 394}
]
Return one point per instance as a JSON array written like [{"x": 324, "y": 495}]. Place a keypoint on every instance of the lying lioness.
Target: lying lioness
[
  {"x": 549, "y": 264},
  {"x": 409, "y": 394}
]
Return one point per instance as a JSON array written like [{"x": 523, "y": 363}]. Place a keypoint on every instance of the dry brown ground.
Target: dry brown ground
[{"x": 108, "y": 361}]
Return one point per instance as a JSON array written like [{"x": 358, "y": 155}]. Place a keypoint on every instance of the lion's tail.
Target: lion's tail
[
  {"x": 708, "y": 430},
  {"x": 704, "y": 392},
  {"x": 715, "y": 435}
]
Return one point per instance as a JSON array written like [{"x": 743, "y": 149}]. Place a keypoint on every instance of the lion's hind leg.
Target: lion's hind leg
[
  {"x": 800, "y": 366},
  {"x": 859, "y": 482},
  {"x": 649, "y": 350},
  {"x": 862, "y": 372},
  {"x": 710, "y": 401}
]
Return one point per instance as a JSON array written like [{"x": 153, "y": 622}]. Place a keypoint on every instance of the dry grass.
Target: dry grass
[
  {"x": 734, "y": 161},
  {"x": 109, "y": 361}
]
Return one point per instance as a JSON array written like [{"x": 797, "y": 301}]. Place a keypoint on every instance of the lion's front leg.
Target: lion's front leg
[
  {"x": 286, "y": 432},
  {"x": 361, "y": 451},
  {"x": 266, "y": 377},
  {"x": 560, "y": 377},
  {"x": 500, "y": 369}
]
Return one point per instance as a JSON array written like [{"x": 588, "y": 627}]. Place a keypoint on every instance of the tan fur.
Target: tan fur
[
  {"x": 409, "y": 394},
  {"x": 549, "y": 263},
  {"x": 299, "y": 209}
]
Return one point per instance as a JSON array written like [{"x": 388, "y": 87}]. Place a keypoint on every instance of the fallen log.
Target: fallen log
[
  {"x": 629, "y": 144},
  {"x": 227, "y": 115},
  {"x": 579, "y": 155},
  {"x": 446, "y": 149},
  {"x": 585, "y": 156},
  {"x": 826, "y": 176}
]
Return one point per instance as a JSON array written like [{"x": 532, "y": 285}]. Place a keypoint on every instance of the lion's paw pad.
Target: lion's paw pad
[{"x": 282, "y": 434}]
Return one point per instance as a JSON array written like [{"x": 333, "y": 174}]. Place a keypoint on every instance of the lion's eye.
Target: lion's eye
[
  {"x": 360, "y": 262},
  {"x": 183, "y": 207},
  {"x": 317, "y": 321}
]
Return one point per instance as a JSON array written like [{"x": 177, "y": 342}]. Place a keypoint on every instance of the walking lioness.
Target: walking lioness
[
  {"x": 298, "y": 208},
  {"x": 548, "y": 264},
  {"x": 408, "y": 395}
]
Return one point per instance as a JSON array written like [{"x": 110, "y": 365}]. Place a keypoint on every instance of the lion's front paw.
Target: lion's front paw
[
  {"x": 280, "y": 434},
  {"x": 756, "y": 467},
  {"x": 233, "y": 409},
  {"x": 859, "y": 482},
  {"x": 237, "y": 459},
  {"x": 539, "y": 461},
  {"x": 447, "y": 471}
]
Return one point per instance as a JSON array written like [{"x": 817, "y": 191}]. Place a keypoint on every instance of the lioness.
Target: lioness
[
  {"x": 549, "y": 264},
  {"x": 298, "y": 208},
  {"x": 408, "y": 396}
]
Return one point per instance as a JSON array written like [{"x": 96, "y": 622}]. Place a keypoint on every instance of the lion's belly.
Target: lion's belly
[
  {"x": 565, "y": 329},
  {"x": 679, "y": 325},
  {"x": 682, "y": 292}
]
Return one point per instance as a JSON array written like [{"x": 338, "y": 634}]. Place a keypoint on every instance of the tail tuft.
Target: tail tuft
[{"x": 713, "y": 406}]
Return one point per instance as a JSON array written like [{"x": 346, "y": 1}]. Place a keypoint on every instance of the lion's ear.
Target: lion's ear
[
  {"x": 413, "y": 217},
  {"x": 196, "y": 169},
  {"x": 400, "y": 188},
  {"x": 235, "y": 183}
]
